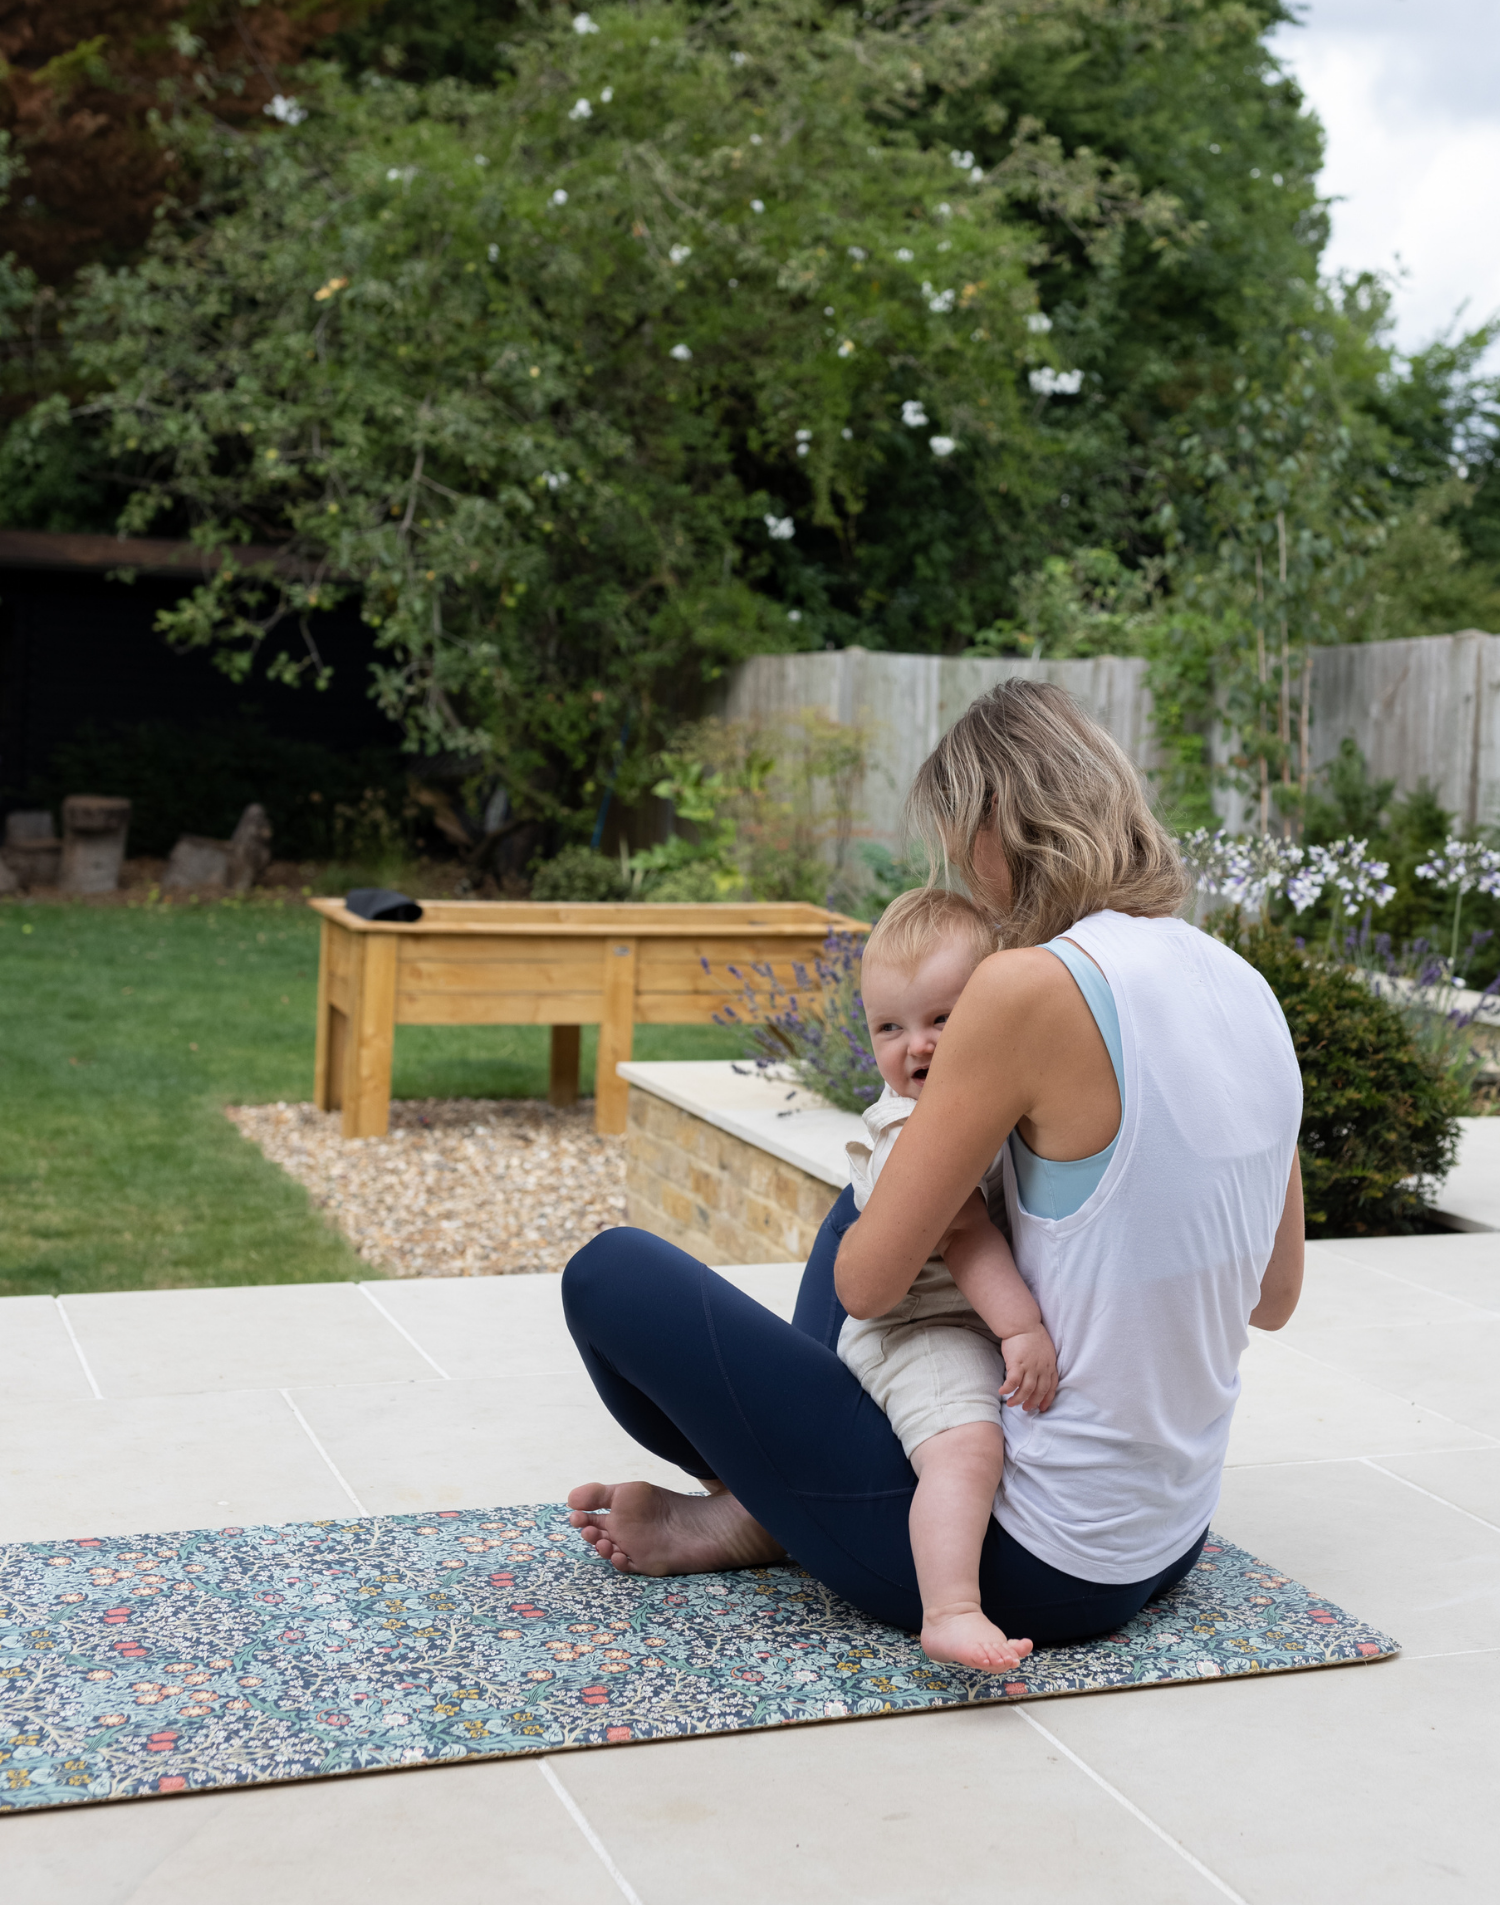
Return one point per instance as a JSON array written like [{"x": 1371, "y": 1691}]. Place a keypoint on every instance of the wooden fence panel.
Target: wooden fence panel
[
  {"x": 1425, "y": 709},
  {"x": 907, "y": 703}
]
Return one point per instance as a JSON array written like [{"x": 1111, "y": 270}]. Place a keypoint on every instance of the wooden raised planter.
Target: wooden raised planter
[{"x": 499, "y": 962}]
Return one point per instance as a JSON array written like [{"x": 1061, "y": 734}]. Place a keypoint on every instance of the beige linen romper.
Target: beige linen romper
[{"x": 931, "y": 1362}]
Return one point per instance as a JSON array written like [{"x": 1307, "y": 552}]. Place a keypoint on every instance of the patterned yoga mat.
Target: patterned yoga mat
[{"x": 172, "y": 1663}]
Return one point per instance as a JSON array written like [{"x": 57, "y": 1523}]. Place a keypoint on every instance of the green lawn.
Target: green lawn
[{"x": 124, "y": 1032}]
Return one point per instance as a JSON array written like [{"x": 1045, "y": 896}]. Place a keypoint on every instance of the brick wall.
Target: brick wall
[{"x": 714, "y": 1195}]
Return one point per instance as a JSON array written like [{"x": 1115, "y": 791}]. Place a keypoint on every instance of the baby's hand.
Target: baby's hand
[{"x": 1030, "y": 1371}]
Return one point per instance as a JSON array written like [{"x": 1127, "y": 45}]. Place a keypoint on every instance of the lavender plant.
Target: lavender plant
[
  {"x": 818, "y": 1032},
  {"x": 1425, "y": 988}
]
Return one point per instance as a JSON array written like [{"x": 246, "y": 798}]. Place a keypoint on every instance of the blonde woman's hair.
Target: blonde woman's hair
[
  {"x": 915, "y": 923},
  {"x": 1068, "y": 809}
]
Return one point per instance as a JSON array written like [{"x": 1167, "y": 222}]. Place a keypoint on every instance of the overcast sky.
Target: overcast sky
[{"x": 1409, "y": 95}]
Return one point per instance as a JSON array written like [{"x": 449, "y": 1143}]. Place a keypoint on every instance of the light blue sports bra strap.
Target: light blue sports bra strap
[
  {"x": 1099, "y": 1000},
  {"x": 1055, "y": 1188}
]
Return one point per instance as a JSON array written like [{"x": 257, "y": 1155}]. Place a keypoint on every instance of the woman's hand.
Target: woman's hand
[{"x": 1030, "y": 1371}]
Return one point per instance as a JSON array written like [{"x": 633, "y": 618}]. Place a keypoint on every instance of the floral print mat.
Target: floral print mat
[{"x": 236, "y": 1656}]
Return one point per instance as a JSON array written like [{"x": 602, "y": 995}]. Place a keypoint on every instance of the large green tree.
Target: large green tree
[
  {"x": 565, "y": 372},
  {"x": 596, "y": 353}
]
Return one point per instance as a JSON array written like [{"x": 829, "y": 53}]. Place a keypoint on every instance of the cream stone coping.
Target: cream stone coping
[{"x": 727, "y": 1093}]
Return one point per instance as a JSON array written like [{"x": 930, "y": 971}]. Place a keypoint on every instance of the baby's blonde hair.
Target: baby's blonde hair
[{"x": 915, "y": 923}]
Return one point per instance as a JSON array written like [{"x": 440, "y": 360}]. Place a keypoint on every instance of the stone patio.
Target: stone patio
[{"x": 1365, "y": 1461}]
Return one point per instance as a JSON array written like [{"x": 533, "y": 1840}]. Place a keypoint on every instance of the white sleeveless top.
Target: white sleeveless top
[{"x": 1147, "y": 1288}]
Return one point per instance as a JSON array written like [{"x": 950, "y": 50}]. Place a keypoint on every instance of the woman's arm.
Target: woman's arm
[
  {"x": 1021, "y": 1044},
  {"x": 1281, "y": 1286}
]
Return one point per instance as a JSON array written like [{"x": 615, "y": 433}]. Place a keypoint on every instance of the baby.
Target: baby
[{"x": 968, "y": 1332}]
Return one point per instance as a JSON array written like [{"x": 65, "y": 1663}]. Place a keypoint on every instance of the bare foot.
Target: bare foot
[
  {"x": 962, "y": 1634},
  {"x": 642, "y": 1529}
]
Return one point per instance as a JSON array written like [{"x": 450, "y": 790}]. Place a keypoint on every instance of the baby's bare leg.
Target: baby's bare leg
[{"x": 958, "y": 1471}]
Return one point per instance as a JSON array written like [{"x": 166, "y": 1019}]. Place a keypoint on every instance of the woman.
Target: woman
[{"x": 1139, "y": 1083}]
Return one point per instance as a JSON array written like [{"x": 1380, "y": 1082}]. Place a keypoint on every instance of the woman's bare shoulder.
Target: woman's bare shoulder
[
  {"x": 1026, "y": 998},
  {"x": 1018, "y": 974}
]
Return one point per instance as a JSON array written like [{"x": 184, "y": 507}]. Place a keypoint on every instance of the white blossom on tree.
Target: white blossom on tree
[{"x": 1048, "y": 382}]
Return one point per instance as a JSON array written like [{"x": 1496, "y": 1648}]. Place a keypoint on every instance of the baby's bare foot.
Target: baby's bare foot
[
  {"x": 963, "y": 1635},
  {"x": 641, "y": 1529}
]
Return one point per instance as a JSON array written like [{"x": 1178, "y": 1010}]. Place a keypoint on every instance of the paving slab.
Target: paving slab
[
  {"x": 481, "y": 1326},
  {"x": 500, "y": 1326},
  {"x": 1442, "y": 1367},
  {"x": 273, "y": 1336},
  {"x": 38, "y": 1362},
  {"x": 1297, "y": 1408},
  {"x": 470, "y": 1835},
  {"x": 154, "y": 1464},
  {"x": 1467, "y": 1267},
  {"x": 96, "y": 1855},
  {"x": 956, "y": 1807},
  {"x": 1468, "y": 1479},
  {"x": 1373, "y": 1784},
  {"x": 1341, "y": 1292},
  {"x": 1418, "y": 1568},
  {"x": 1363, "y": 1463},
  {"x": 485, "y": 1442}
]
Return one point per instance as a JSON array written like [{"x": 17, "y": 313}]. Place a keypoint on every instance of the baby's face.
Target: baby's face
[{"x": 907, "y": 1011}]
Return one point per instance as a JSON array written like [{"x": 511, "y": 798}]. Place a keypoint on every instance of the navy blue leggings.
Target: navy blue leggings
[{"x": 704, "y": 1376}]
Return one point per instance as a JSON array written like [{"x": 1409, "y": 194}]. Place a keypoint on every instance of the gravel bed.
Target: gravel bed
[{"x": 461, "y": 1187}]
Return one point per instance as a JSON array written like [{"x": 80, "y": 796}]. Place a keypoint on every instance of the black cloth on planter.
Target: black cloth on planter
[{"x": 381, "y": 902}]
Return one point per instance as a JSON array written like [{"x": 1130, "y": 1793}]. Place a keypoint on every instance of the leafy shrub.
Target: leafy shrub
[
  {"x": 578, "y": 874},
  {"x": 770, "y": 809},
  {"x": 675, "y": 520},
  {"x": 700, "y": 867},
  {"x": 691, "y": 885},
  {"x": 1086, "y": 603},
  {"x": 888, "y": 878},
  {"x": 1377, "y": 1112},
  {"x": 797, "y": 829}
]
